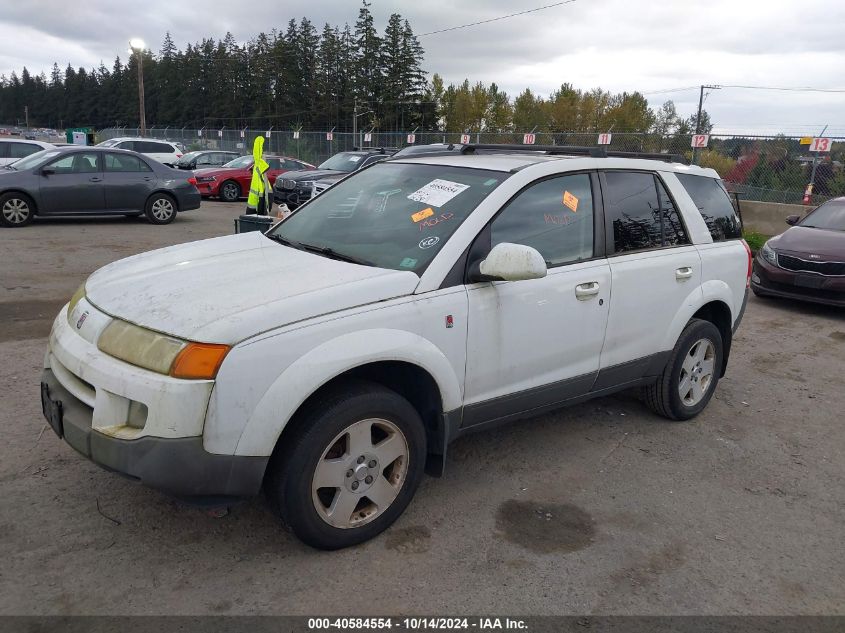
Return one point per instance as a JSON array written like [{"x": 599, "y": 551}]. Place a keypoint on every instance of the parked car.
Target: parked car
[
  {"x": 231, "y": 181},
  {"x": 204, "y": 159},
  {"x": 461, "y": 292},
  {"x": 167, "y": 152},
  {"x": 82, "y": 180},
  {"x": 299, "y": 187},
  {"x": 807, "y": 261},
  {"x": 15, "y": 149}
]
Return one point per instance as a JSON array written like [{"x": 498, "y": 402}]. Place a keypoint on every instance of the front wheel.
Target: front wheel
[
  {"x": 16, "y": 209},
  {"x": 161, "y": 209},
  {"x": 690, "y": 377},
  {"x": 350, "y": 468}
]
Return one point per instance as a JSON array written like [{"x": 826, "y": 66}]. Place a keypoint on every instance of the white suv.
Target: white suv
[
  {"x": 167, "y": 152},
  {"x": 348, "y": 350}
]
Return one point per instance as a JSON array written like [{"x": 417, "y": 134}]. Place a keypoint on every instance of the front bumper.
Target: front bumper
[
  {"x": 97, "y": 393},
  {"x": 767, "y": 279},
  {"x": 178, "y": 466}
]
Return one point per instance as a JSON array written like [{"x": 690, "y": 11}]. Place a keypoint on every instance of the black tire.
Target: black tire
[
  {"x": 230, "y": 191},
  {"x": 664, "y": 397},
  {"x": 16, "y": 209},
  {"x": 288, "y": 484},
  {"x": 160, "y": 209}
]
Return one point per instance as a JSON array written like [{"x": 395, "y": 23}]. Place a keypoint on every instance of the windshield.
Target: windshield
[
  {"x": 391, "y": 215},
  {"x": 240, "y": 161},
  {"x": 187, "y": 158},
  {"x": 830, "y": 215},
  {"x": 33, "y": 160},
  {"x": 109, "y": 143},
  {"x": 345, "y": 161}
]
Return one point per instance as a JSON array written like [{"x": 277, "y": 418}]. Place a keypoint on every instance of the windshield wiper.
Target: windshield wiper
[
  {"x": 281, "y": 240},
  {"x": 333, "y": 254}
]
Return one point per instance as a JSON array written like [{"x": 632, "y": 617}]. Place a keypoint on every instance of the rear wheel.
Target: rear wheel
[
  {"x": 16, "y": 209},
  {"x": 350, "y": 468},
  {"x": 161, "y": 209},
  {"x": 230, "y": 191},
  {"x": 690, "y": 377}
]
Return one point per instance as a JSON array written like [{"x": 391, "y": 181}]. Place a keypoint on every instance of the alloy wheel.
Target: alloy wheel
[
  {"x": 697, "y": 371},
  {"x": 16, "y": 211},
  {"x": 360, "y": 473}
]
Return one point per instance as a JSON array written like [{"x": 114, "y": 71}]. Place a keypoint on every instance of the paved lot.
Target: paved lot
[{"x": 601, "y": 508}]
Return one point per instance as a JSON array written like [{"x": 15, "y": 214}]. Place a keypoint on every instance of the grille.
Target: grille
[{"x": 823, "y": 268}]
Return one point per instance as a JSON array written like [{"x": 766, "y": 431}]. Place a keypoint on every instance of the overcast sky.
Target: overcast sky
[{"x": 645, "y": 45}]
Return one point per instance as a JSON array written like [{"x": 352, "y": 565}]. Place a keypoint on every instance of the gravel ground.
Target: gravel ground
[{"x": 597, "y": 509}]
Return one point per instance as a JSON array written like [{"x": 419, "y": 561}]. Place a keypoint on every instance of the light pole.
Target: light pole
[{"x": 136, "y": 45}]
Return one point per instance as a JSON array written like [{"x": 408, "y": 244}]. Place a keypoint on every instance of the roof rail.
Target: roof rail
[{"x": 573, "y": 150}]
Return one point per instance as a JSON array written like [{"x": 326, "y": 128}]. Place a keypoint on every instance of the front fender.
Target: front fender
[{"x": 331, "y": 359}]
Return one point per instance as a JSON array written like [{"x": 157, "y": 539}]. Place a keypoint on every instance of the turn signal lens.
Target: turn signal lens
[
  {"x": 192, "y": 181},
  {"x": 199, "y": 361},
  {"x": 76, "y": 298}
]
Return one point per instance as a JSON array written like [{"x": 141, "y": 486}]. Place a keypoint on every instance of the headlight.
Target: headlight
[
  {"x": 769, "y": 254},
  {"x": 206, "y": 178},
  {"x": 161, "y": 353}
]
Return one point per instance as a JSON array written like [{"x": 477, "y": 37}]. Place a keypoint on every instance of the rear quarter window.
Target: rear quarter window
[{"x": 715, "y": 206}]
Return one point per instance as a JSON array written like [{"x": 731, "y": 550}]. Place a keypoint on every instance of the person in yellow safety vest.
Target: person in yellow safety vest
[{"x": 258, "y": 200}]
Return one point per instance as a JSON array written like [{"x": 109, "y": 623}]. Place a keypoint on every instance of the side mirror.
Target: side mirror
[
  {"x": 511, "y": 262},
  {"x": 792, "y": 219},
  {"x": 46, "y": 171}
]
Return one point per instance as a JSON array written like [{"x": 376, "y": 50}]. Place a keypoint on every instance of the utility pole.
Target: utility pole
[
  {"x": 137, "y": 46},
  {"x": 698, "y": 118},
  {"x": 355, "y": 123},
  {"x": 26, "y": 115}
]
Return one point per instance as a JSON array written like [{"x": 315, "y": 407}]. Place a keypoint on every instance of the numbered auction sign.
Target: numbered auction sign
[
  {"x": 220, "y": 133},
  {"x": 604, "y": 139},
  {"x": 329, "y": 136},
  {"x": 700, "y": 140},
  {"x": 296, "y": 134},
  {"x": 199, "y": 133},
  {"x": 267, "y": 134},
  {"x": 528, "y": 139},
  {"x": 465, "y": 139},
  {"x": 820, "y": 145},
  {"x": 243, "y": 133},
  {"x": 412, "y": 138},
  {"x": 368, "y": 137}
]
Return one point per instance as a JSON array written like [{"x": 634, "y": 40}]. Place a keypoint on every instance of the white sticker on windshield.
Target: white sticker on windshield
[
  {"x": 354, "y": 159},
  {"x": 438, "y": 192}
]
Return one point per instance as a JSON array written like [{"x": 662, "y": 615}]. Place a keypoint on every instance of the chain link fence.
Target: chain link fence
[{"x": 764, "y": 168}]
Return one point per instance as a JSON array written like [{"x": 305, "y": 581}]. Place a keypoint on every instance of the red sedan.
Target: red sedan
[{"x": 231, "y": 181}]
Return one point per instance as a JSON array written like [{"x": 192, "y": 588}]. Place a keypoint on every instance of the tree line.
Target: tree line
[{"x": 304, "y": 78}]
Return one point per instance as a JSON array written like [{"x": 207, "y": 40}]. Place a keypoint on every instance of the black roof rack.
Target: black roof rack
[{"x": 573, "y": 150}]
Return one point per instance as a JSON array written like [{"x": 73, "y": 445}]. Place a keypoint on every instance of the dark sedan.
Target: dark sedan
[
  {"x": 204, "y": 159},
  {"x": 93, "y": 181},
  {"x": 806, "y": 262}
]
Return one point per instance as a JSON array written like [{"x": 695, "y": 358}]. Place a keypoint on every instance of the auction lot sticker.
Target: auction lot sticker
[{"x": 438, "y": 192}]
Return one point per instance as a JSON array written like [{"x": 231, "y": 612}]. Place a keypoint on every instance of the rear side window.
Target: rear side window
[
  {"x": 715, "y": 206},
  {"x": 274, "y": 163},
  {"x": 22, "y": 150},
  {"x": 129, "y": 145},
  {"x": 125, "y": 163},
  {"x": 149, "y": 147},
  {"x": 641, "y": 213},
  {"x": 555, "y": 216}
]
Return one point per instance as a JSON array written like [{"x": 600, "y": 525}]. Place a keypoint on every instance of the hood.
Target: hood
[
  {"x": 330, "y": 180},
  {"x": 311, "y": 174},
  {"x": 227, "y": 289},
  {"x": 799, "y": 240}
]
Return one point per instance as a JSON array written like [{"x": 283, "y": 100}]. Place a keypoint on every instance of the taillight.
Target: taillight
[
  {"x": 192, "y": 181},
  {"x": 750, "y": 263},
  {"x": 178, "y": 155}
]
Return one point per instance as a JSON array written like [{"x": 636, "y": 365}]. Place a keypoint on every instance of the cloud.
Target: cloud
[{"x": 614, "y": 44}]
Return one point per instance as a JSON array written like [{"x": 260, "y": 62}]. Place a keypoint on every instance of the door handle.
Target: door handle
[
  {"x": 683, "y": 273},
  {"x": 586, "y": 290},
  {"x": 148, "y": 177},
  {"x": 95, "y": 179}
]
